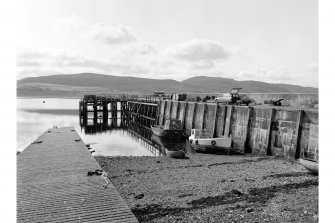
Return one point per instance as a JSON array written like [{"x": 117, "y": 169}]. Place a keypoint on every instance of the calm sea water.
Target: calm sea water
[{"x": 36, "y": 115}]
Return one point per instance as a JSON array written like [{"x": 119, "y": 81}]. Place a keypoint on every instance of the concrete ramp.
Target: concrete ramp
[{"x": 53, "y": 185}]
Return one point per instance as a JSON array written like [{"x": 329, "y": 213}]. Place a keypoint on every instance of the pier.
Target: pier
[
  {"x": 95, "y": 110},
  {"x": 266, "y": 130},
  {"x": 53, "y": 184}
]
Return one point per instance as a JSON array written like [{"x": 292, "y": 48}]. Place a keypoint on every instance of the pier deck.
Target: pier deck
[{"x": 53, "y": 185}]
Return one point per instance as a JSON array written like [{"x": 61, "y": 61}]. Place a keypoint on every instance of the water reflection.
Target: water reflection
[
  {"x": 136, "y": 132},
  {"x": 116, "y": 137}
]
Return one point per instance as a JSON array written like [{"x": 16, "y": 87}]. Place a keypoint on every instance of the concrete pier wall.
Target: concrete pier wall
[
  {"x": 181, "y": 112},
  {"x": 199, "y": 116},
  {"x": 161, "y": 115},
  {"x": 284, "y": 133},
  {"x": 309, "y": 138},
  {"x": 259, "y": 130},
  {"x": 239, "y": 127},
  {"x": 174, "y": 109},
  {"x": 210, "y": 118},
  {"x": 265, "y": 130},
  {"x": 167, "y": 111},
  {"x": 220, "y": 120},
  {"x": 190, "y": 107}
]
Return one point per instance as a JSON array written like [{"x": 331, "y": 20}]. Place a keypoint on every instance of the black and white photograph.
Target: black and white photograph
[{"x": 167, "y": 111}]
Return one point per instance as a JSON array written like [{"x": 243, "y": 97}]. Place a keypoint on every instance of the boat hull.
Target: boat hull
[
  {"x": 171, "y": 134},
  {"x": 224, "y": 142},
  {"x": 310, "y": 165},
  {"x": 175, "y": 154}
]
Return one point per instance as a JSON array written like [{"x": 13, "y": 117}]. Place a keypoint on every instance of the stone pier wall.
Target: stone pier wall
[{"x": 266, "y": 130}]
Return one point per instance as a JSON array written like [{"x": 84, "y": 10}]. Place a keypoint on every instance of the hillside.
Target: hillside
[{"x": 76, "y": 85}]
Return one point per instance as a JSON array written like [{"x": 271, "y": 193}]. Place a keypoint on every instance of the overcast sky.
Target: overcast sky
[{"x": 265, "y": 40}]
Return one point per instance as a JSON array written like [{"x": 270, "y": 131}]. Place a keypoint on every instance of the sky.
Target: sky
[{"x": 275, "y": 41}]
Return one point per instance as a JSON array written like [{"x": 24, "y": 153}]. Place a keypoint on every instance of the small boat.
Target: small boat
[
  {"x": 310, "y": 165},
  {"x": 172, "y": 129},
  {"x": 201, "y": 140},
  {"x": 173, "y": 148}
]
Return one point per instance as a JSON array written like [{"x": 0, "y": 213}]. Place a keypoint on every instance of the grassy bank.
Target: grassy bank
[{"x": 214, "y": 188}]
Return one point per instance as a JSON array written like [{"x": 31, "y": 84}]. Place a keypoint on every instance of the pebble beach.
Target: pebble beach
[{"x": 214, "y": 188}]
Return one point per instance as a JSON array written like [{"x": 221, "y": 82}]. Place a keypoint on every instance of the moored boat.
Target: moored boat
[
  {"x": 310, "y": 165},
  {"x": 171, "y": 129},
  {"x": 201, "y": 140},
  {"x": 171, "y": 148}
]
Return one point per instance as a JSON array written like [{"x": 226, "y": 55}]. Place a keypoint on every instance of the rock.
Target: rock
[
  {"x": 140, "y": 196},
  {"x": 158, "y": 161},
  {"x": 249, "y": 210},
  {"x": 236, "y": 192}
]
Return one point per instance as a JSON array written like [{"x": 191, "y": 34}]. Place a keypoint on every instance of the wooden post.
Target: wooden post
[{"x": 105, "y": 113}]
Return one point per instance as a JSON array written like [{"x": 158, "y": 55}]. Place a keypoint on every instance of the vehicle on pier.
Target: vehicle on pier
[
  {"x": 233, "y": 98},
  {"x": 172, "y": 129},
  {"x": 201, "y": 140}
]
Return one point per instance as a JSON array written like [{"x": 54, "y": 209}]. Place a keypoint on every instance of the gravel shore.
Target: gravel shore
[{"x": 214, "y": 188}]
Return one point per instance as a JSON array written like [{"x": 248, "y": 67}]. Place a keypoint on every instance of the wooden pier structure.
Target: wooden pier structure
[
  {"x": 95, "y": 109},
  {"x": 53, "y": 184}
]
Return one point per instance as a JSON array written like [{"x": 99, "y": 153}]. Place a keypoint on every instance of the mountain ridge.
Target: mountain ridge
[{"x": 83, "y": 83}]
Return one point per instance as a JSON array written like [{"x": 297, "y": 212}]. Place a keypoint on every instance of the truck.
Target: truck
[{"x": 232, "y": 98}]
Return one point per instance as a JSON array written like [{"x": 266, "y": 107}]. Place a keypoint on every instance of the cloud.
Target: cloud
[
  {"x": 200, "y": 50},
  {"x": 313, "y": 67},
  {"x": 274, "y": 75},
  {"x": 112, "y": 35},
  {"x": 33, "y": 62},
  {"x": 67, "y": 24}
]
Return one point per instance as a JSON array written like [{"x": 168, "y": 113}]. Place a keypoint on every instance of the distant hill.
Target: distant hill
[
  {"x": 218, "y": 84},
  {"x": 76, "y": 85}
]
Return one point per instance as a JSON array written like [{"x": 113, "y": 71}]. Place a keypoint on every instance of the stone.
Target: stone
[
  {"x": 249, "y": 210},
  {"x": 236, "y": 192},
  {"x": 140, "y": 196}
]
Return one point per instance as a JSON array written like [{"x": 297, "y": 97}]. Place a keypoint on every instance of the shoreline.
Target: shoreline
[{"x": 214, "y": 188}]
